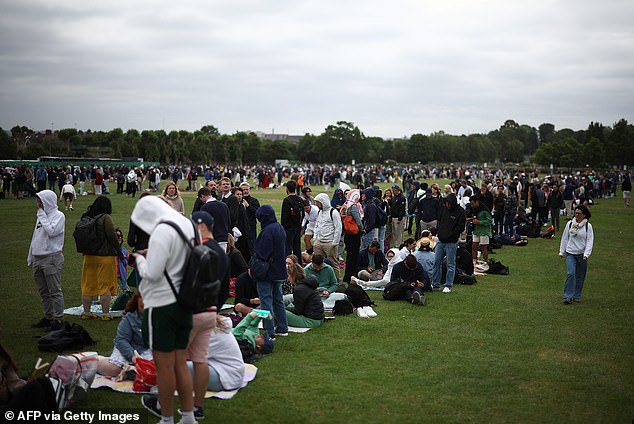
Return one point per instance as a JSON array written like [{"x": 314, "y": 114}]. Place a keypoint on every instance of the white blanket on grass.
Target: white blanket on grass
[{"x": 250, "y": 371}]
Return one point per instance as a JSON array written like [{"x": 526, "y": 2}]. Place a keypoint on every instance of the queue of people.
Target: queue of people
[{"x": 197, "y": 352}]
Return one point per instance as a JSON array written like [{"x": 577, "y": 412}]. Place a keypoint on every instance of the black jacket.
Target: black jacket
[
  {"x": 363, "y": 261},
  {"x": 452, "y": 221},
  {"x": 397, "y": 207},
  {"x": 306, "y": 300}
]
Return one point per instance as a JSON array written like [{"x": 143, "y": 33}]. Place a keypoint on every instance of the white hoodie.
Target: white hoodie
[
  {"x": 327, "y": 225},
  {"x": 166, "y": 250},
  {"x": 48, "y": 235}
]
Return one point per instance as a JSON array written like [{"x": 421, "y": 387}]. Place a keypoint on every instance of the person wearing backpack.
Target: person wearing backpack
[
  {"x": 576, "y": 245},
  {"x": 99, "y": 270},
  {"x": 370, "y": 214},
  {"x": 352, "y": 242},
  {"x": 327, "y": 232},
  {"x": 46, "y": 258},
  {"x": 291, "y": 220},
  {"x": 166, "y": 253}
]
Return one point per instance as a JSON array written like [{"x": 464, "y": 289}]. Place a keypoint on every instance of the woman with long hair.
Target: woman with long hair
[
  {"x": 99, "y": 271},
  {"x": 353, "y": 208},
  {"x": 576, "y": 246},
  {"x": 172, "y": 194}
]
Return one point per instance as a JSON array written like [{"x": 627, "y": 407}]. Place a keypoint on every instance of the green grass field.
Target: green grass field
[{"x": 503, "y": 350}]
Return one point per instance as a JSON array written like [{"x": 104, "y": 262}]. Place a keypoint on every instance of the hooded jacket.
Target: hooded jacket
[
  {"x": 369, "y": 210},
  {"x": 387, "y": 273},
  {"x": 48, "y": 235},
  {"x": 166, "y": 250},
  {"x": 271, "y": 243},
  {"x": 328, "y": 224},
  {"x": 452, "y": 220},
  {"x": 306, "y": 300}
]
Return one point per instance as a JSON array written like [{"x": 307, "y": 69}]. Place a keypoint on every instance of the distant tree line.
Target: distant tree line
[{"x": 596, "y": 146}]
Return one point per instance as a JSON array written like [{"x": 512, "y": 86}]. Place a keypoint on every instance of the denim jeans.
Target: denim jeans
[
  {"x": 368, "y": 237},
  {"x": 271, "y": 299},
  {"x": 577, "y": 269},
  {"x": 442, "y": 249},
  {"x": 381, "y": 236}
]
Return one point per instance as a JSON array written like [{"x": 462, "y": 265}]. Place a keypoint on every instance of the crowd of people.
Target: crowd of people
[{"x": 293, "y": 267}]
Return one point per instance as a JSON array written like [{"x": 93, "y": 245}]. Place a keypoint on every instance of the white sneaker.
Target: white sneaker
[
  {"x": 369, "y": 311},
  {"x": 362, "y": 313},
  {"x": 446, "y": 290}
]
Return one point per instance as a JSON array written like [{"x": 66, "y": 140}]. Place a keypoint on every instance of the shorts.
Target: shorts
[
  {"x": 166, "y": 328},
  {"x": 483, "y": 240},
  {"x": 627, "y": 194},
  {"x": 68, "y": 196},
  {"x": 203, "y": 325},
  {"x": 309, "y": 232}
]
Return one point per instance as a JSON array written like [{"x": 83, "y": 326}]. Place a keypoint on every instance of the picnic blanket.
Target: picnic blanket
[
  {"x": 77, "y": 311},
  {"x": 290, "y": 329},
  {"x": 100, "y": 381}
]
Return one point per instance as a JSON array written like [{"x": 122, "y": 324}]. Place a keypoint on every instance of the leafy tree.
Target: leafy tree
[
  {"x": 620, "y": 144},
  {"x": 593, "y": 153},
  {"x": 344, "y": 141},
  {"x": 8, "y": 148},
  {"x": 546, "y": 132}
]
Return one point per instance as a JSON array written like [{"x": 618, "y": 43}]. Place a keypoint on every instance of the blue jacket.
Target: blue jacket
[
  {"x": 129, "y": 337},
  {"x": 271, "y": 242},
  {"x": 369, "y": 210}
]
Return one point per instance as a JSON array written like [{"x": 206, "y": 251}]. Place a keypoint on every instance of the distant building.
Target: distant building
[{"x": 294, "y": 139}]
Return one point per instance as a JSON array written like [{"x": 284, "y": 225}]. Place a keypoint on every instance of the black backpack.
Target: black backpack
[
  {"x": 342, "y": 307},
  {"x": 496, "y": 267},
  {"x": 395, "y": 290},
  {"x": 381, "y": 215},
  {"x": 201, "y": 283},
  {"x": 85, "y": 235},
  {"x": 69, "y": 337},
  {"x": 358, "y": 297}
]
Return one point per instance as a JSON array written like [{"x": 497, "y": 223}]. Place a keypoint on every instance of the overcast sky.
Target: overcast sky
[{"x": 394, "y": 68}]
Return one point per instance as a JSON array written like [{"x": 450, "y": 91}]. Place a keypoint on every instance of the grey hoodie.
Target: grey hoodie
[
  {"x": 166, "y": 250},
  {"x": 328, "y": 224},
  {"x": 48, "y": 235}
]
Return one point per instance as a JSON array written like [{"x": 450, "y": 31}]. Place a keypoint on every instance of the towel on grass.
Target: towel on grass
[
  {"x": 290, "y": 329},
  {"x": 100, "y": 381}
]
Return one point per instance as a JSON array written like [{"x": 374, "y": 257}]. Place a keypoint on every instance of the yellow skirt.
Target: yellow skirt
[{"x": 99, "y": 275}]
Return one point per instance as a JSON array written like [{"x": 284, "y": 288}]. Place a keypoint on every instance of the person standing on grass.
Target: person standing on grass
[
  {"x": 327, "y": 233},
  {"x": 67, "y": 193},
  {"x": 46, "y": 258},
  {"x": 481, "y": 219},
  {"x": 451, "y": 224},
  {"x": 204, "y": 322},
  {"x": 269, "y": 246},
  {"x": 166, "y": 325},
  {"x": 626, "y": 188},
  {"x": 576, "y": 244},
  {"x": 291, "y": 220},
  {"x": 99, "y": 269}
]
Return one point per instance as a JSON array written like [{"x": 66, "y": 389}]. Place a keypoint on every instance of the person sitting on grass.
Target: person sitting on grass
[
  {"x": 371, "y": 263},
  {"x": 128, "y": 340},
  {"x": 393, "y": 257},
  {"x": 246, "y": 295},
  {"x": 326, "y": 280},
  {"x": 411, "y": 272},
  {"x": 305, "y": 309},
  {"x": 224, "y": 358}
]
